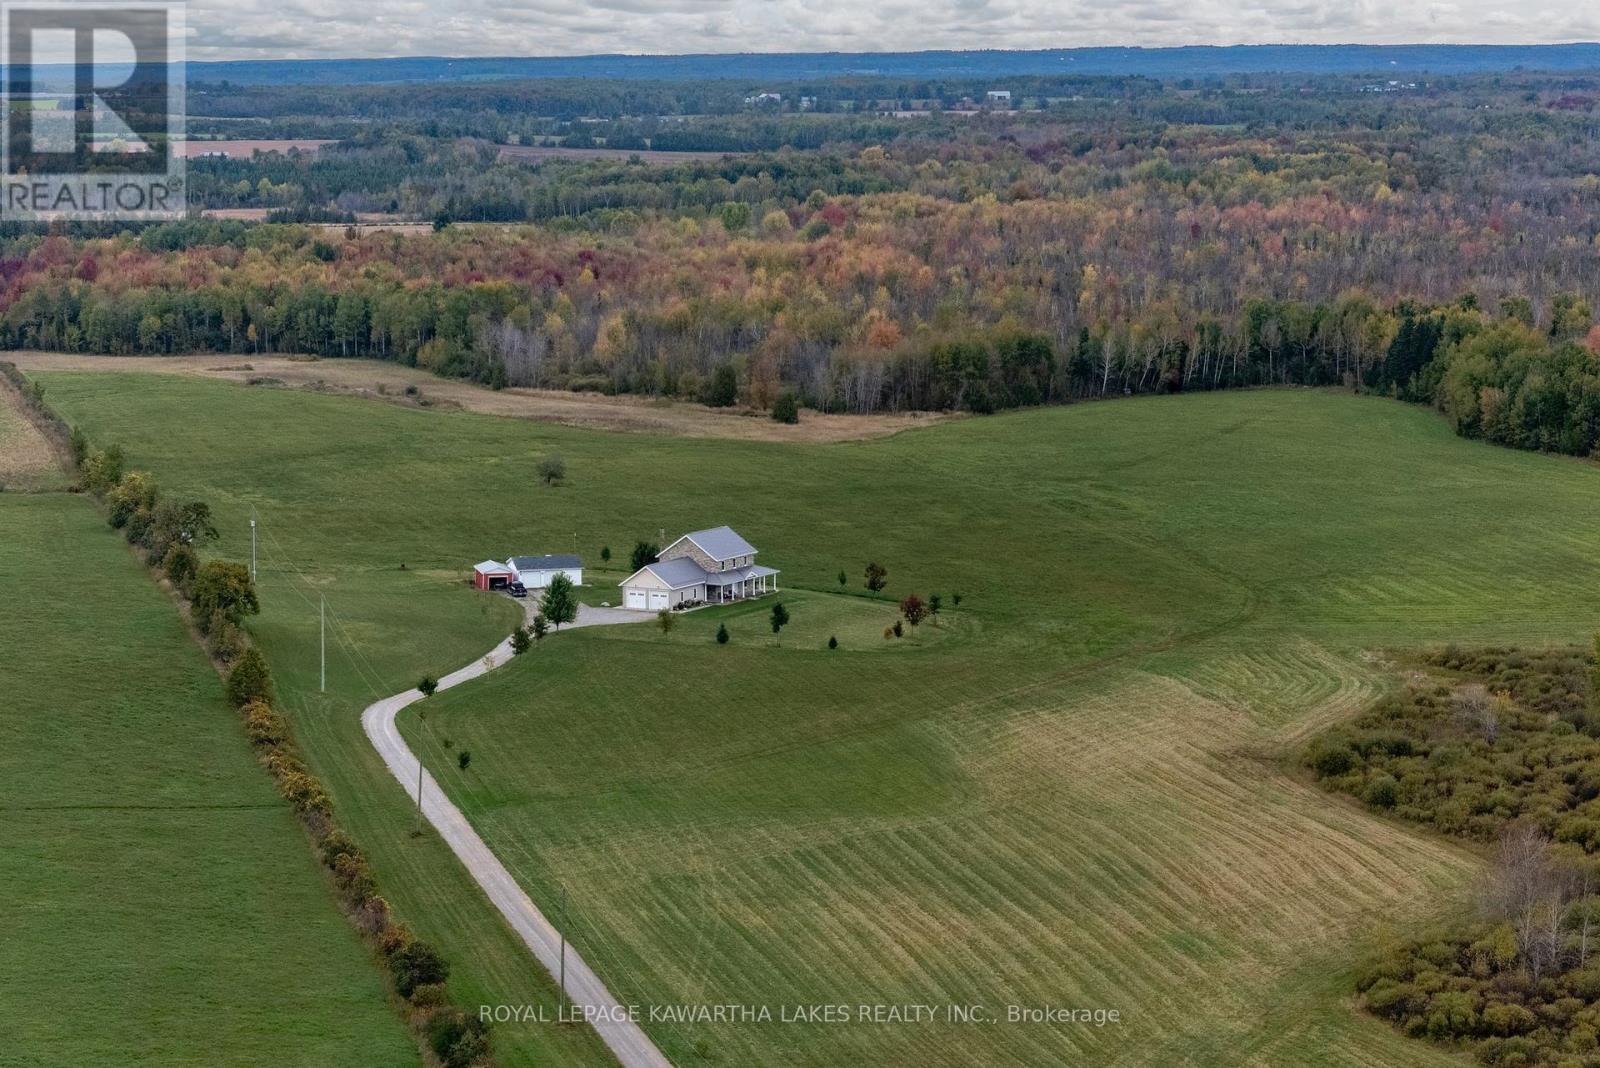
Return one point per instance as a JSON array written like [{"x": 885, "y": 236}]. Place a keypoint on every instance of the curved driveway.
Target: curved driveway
[{"x": 609, "y": 1017}]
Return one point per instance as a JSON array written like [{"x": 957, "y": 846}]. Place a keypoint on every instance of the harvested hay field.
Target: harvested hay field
[
  {"x": 27, "y": 460},
  {"x": 377, "y": 380},
  {"x": 245, "y": 149}
]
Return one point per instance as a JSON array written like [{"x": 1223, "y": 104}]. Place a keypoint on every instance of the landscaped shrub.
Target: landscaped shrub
[{"x": 248, "y": 679}]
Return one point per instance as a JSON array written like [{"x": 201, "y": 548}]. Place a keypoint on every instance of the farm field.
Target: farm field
[
  {"x": 27, "y": 461},
  {"x": 1075, "y": 791},
  {"x": 245, "y": 149},
  {"x": 162, "y": 905},
  {"x": 387, "y": 381}
]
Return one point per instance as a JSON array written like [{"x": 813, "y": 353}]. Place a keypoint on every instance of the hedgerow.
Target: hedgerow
[{"x": 216, "y": 596}]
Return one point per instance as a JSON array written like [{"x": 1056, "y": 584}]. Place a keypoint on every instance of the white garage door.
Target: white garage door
[
  {"x": 658, "y": 600},
  {"x": 633, "y": 599}
]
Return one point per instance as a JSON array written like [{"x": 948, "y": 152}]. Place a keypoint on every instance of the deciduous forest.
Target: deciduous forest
[{"x": 1434, "y": 242}]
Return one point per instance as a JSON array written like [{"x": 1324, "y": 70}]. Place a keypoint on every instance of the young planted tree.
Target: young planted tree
[
  {"x": 560, "y": 602},
  {"x": 913, "y": 608},
  {"x": 541, "y": 626},
  {"x": 722, "y": 634},
  {"x": 665, "y": 620},
  {"x": 780, "y": 617},
  {"x": 935, "y": 602},
  {"x": 833, "y": 643},
  {"x": 463, "y": 759},
  {"x": 428, "y": 685},
  {"x": 605, "y": 554},
  {"x": 520, "y": 641},
  {"x": 552, "y": 470},
  {"x": 877, "y": 576},
  {"x": 843, "y": 578}
]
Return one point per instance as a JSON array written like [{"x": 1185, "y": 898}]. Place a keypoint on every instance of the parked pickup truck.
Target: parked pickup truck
[{"x": 517, "y": 589}]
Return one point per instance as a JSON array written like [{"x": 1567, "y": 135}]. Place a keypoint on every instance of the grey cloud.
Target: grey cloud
[{"x": 249, "y": 29}]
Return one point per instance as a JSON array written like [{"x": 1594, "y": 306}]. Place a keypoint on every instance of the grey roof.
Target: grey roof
[
  {"x": 677, "y": 573},
  {"x": 544, "y": 563},
  {"x": 720, "y": 543},
  {"x": 738, "y": 574}
]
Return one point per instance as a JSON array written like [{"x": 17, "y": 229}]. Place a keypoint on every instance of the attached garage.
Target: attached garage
[{"x": 665, "y": 584}]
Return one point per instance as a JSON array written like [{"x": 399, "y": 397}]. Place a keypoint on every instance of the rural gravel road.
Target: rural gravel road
[{"x": 610, "y": 1018}]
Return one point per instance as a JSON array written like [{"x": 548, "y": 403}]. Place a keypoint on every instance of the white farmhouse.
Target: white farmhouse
[
  {"x": 535, "y": 572},
  {"x": 715, "y": 566}
]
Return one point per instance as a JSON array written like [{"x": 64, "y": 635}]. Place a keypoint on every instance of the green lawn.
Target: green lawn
[
  {"x": 1073, "y": 791},
  {"x": 161, "y": 903}
]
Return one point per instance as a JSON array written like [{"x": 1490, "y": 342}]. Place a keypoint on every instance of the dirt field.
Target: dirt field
[
  {"x": 27, "y": 461},
  {"x": 243, "y": 149},
  {"x": 540, "y": 153},
  {"x": 387, "y": 381}
]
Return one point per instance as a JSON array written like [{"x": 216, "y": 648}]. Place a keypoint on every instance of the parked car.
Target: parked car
[{"x": 517, "y": 589}]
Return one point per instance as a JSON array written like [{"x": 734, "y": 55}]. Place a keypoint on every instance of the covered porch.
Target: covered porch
[{"x": 740, "y": 583}]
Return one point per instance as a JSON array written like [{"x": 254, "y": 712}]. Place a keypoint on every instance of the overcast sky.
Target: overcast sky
[{"x": 297, "y": 29}]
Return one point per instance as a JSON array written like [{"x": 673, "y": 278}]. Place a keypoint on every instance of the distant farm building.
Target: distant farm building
[
  {"x": 999, "y": 96},
  {"x": 535, "y": 572},
  {"x": 707, "y": 566},
  {"x": 492, "y": 575}
]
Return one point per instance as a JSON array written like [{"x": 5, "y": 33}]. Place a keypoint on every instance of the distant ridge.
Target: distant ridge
[{"x": 1191, "y": 61}]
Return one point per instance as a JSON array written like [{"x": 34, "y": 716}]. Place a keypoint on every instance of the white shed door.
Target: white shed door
[
  {"x": 632, "y": 598},
  {"x": 658, "y": 600}
]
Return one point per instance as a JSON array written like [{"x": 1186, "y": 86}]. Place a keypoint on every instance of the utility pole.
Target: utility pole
[
  {"x": 419, "y": 795},
  {"x": 252, "y": 545},
  {"x": 322, "y": 621}
]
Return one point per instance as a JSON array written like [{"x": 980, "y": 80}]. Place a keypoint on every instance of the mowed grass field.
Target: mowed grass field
[
  {"x": 1075, "y": 791},
  {"x": 161, "y": 905}
]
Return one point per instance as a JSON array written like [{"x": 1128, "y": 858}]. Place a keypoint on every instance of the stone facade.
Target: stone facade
[{"x": 685, "y": 547}]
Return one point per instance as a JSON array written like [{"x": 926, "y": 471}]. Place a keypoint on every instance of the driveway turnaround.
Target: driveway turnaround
[{"x": 610, "y": 1018}]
